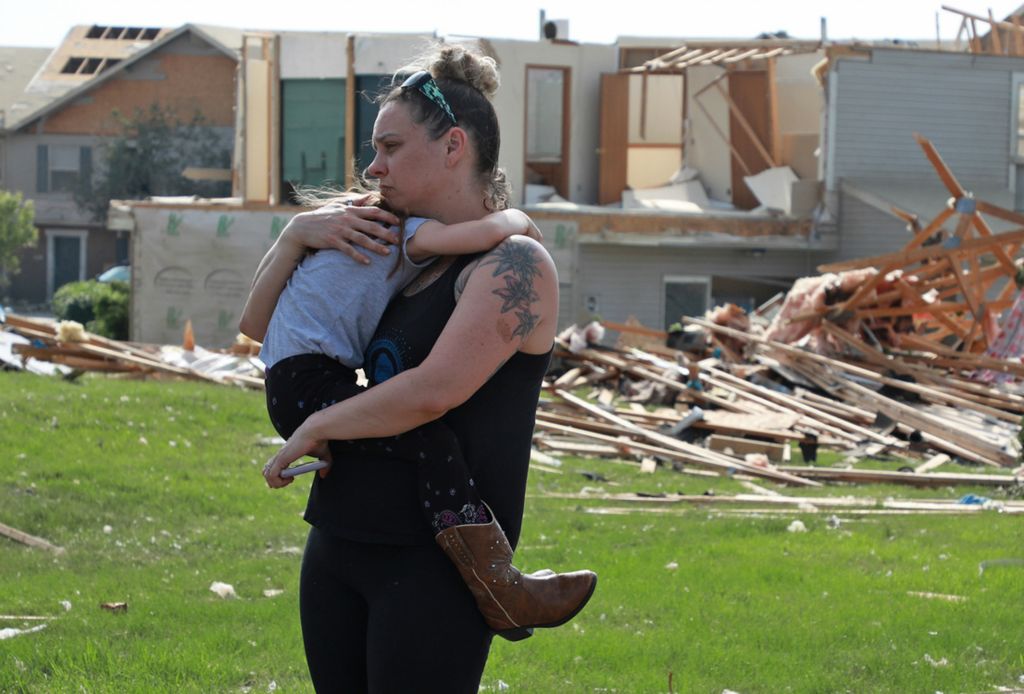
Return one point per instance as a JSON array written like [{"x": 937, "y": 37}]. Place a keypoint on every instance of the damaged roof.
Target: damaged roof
[{"x": 54, "y": 97}]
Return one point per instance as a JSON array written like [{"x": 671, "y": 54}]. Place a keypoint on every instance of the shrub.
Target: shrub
[{"x": 102, "y": 307}]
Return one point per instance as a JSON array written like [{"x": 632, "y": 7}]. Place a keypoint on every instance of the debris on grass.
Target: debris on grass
[
  {"x": 29, "y": 540},
  {"x": 11, "y": 633},
  {"x": 272, "y": 592},
  {"x": 983, "y": 566},
  {"x": 937, "y": 596},
  {"x": 116, "y": 607},
  {"x": 796, "y": 527},
  {"x": 223, "y": 590}
]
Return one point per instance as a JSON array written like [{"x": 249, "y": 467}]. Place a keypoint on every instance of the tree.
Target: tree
[
  {"x": 16, "y": 232},
  {"x": 148, "y": 158}
]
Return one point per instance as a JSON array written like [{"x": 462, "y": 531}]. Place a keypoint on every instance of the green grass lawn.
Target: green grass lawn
[{"x": 154, "y": 490}]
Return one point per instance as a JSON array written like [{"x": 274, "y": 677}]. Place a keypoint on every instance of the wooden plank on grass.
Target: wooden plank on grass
[
  {"x": 931, "y": 479},
  {"x": 932, "y": 463},
  {"x": 29, "y": 540}
]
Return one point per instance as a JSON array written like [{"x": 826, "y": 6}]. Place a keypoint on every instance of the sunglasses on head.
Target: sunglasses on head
[{"x": 424, "y": 83}]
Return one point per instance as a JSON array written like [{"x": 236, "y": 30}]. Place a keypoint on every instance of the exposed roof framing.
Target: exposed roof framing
[{"x": 723, "y": 53}]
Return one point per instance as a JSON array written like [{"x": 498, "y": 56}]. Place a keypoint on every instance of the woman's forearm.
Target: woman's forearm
[
  {"x": 395, "y": 406},
  {"x": 271, "y": 277}
]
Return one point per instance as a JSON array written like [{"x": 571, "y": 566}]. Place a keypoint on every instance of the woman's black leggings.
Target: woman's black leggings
[
  {"x": 388, "y": 618},
  {"x": 299, "y": 386}
]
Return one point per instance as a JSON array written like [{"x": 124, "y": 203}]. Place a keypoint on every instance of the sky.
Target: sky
[{"x": 45, "y": 22}]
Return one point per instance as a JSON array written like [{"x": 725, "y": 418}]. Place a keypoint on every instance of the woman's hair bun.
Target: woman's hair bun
[{"x": 455, "y": 62}]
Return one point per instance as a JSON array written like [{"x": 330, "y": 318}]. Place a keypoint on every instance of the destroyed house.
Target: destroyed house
[
  {"x": 667, "y": 178},
  {"x": 577, "y": 122},
  {"x": 97, "y": 73},
  {"x": 708, "y": 181}
]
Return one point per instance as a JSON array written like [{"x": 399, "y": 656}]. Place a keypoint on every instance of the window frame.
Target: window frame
[{"x": 684, "y": 279}]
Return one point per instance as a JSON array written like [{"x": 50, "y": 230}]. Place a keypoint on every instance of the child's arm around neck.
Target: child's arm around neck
[{"x": 434, "y": 238}]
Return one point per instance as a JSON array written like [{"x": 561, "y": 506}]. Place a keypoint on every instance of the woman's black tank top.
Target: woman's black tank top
[{"x": 369, "y": 497}]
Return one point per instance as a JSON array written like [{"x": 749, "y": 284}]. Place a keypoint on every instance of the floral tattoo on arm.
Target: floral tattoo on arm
[{"x": 518, "y": 263}]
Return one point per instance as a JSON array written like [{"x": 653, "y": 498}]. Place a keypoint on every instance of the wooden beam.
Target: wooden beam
[
  {"x": 933, "y": 479},
  {"x": 350, "y": 112},
  {"x": 29, "y": 540},
  {"x": 905, "y": 258}
]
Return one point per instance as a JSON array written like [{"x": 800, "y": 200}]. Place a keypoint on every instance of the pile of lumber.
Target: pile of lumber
[
  {"x": 73, "y": 350},
  {"x": 740, "y": 416},
  {"x": 942, "y": 293}
]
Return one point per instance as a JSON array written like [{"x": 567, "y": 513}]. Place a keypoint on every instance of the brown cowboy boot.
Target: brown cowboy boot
[{"x": 511, "y": 602}]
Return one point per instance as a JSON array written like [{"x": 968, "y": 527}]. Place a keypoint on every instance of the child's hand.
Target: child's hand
[{"x": 513, "y": 222}]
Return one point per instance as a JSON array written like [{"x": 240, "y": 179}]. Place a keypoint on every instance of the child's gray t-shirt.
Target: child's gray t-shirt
[{"x": 332, "y": 304}]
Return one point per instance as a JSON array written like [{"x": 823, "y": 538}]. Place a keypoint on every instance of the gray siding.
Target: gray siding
[
  {"x": 628, "y": 280},
  {"x": 961, "y": 104},
  {"x": 867, "y": 231}
]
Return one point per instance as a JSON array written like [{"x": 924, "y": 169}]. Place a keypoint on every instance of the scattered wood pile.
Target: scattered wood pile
[
  {"x": 747, "y": 412},
  {"x": 68, "y": 349},
  {"x": 914, "y": 354}
]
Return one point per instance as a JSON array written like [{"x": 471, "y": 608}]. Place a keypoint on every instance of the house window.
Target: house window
[
  {"x": 64, "y": 165},
  {"x": 547, "y": 127},
  {"x": 59, "y": 168},
  {"x": 685, "y": 296}
]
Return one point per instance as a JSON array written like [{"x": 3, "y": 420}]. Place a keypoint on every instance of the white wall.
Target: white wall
[
  {"x": 706, "y": 151},
  {"x": 800, "y": 98},
  {"x": 313, "y": 55},
  {"x": 384, "y": 54},
  {"x": 586, "y": 63}
]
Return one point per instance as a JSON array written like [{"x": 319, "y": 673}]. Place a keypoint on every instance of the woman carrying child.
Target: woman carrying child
[{"x": 468, "y": 340}]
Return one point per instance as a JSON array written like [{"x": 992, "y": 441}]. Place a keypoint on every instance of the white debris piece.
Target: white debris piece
[
  {"x": 797, "y": 527},
  {"x": 11, "y": 633},
  {"x": 672, "y": 565},
  {"x": 224, "y": 590},
  {"x": 66, "y": 604},
  {"x": 272, "y": 592}
]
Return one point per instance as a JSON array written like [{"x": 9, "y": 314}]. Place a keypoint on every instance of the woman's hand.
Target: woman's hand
[
  {"x": 301, "y": 443},
  {"x": 340, "y": 226},
  {"x": 345, "y": 227}
]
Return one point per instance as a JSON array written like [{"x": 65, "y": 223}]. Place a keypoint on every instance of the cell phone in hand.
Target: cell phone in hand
[{"x": 305, "y": 467}]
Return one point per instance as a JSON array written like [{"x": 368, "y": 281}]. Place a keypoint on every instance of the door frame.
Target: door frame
[
  {"x": 561, "y": 184},
  {"x": 82, "y": 235}
]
